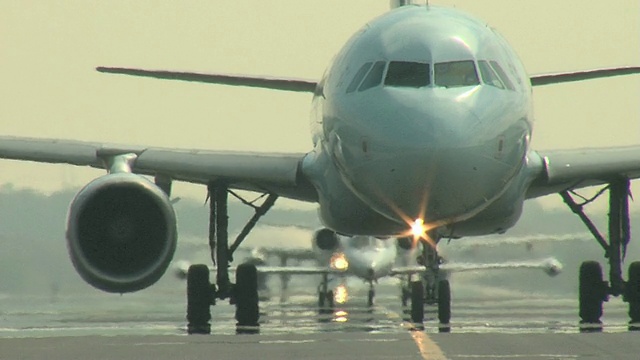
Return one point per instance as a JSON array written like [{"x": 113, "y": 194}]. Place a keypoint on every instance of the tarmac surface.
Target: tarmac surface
[
  {"x": 504, "y": 326},
  {"x": 410, "y": 345}
]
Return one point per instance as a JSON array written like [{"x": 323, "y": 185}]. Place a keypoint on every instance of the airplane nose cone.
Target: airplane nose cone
[
  {"x": 412, "y": 166},
  {"x": 426, "y": 155}
]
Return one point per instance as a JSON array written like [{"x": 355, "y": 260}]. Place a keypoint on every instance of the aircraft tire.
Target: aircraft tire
[
  {"x": 322, "y": 297},
  {"x": 592, "y": 292},
  {"x": 330, "y": 300},
  {"x": 199, "y": 296},
  {"x": 633, "y": 292},
  {"x": 444, "y": 302},
  {"x": 417, "y": 302},
  {"x": 246, "y": 295}
]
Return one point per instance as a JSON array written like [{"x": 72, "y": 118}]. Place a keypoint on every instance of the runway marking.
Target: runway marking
[{"x": 429, "y": 350}]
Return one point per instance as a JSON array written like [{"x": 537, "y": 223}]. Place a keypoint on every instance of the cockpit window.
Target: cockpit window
[
  {"x": 358, "y": 78},
  {"x": 407, "y": 74},
  {"x": 456, "y": 73},
  {"x": 489, "y": 76},
  {"x": 503, "y": 75},
  {"x": 374, "y": 78}
]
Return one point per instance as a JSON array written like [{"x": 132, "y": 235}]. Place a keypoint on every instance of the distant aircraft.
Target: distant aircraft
[
  {"x": 421, "y": 127},
  {"x": 371, "y": 259}
]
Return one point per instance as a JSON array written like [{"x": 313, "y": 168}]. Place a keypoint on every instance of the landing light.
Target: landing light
[
  {"x": 339, "y": 262},
  {"x": 418, "y": 229}
]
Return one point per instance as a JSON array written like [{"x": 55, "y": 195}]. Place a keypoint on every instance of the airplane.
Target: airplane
[
  {"x": 367, "y": 258},
  {"x": 421, "y": 126}
]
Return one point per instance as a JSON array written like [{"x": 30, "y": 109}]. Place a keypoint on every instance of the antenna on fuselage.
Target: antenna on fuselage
[{"x": 398, "y": 3}]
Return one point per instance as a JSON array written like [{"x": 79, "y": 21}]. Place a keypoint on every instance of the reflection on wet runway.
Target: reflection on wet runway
[{"x": 162, "y": 312}]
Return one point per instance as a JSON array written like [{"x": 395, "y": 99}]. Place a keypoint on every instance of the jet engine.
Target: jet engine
[
  {"x": 121, "y": 232},
  {"x": 406, "y": 243},
  {"x": 325, "y": 240},
  {"x": 326, "y": 246}
]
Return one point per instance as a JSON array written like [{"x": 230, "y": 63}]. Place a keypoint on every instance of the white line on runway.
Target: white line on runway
[{"x": 429, "y": 350}]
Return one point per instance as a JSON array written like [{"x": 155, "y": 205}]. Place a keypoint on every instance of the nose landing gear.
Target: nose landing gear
[{"x": 431, "y": 289}]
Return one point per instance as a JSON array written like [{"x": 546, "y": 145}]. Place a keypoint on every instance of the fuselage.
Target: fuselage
[
  {"x": 424, "y": 114},
  {"x": 365, "y": 257}
]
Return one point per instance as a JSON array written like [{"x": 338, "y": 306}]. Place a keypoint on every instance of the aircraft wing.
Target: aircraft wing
[
  {"x": 551, "y": 266},
  {"x": 286, "y": 253},
  {"x": 277, "y": 173},
  {"x": 298, "y": 270},
  {"x": 556, "y": 78},
  {"x": 182, "y": 267},
  {"x": 558, "y": 170}
]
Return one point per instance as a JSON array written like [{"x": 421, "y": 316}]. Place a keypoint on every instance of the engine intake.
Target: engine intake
[
  {"x": 406, "y": 243},
  {"x": 325, "y": 240},
  {"x": 121, "y": 232}
]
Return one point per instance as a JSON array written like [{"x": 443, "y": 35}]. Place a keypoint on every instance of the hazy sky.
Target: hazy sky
[{"x": 49, "y": 87}]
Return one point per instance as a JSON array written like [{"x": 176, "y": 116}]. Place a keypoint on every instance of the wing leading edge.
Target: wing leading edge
[
  {"x": 558, "y": 170},
  {"x": 276, "y": 173}
]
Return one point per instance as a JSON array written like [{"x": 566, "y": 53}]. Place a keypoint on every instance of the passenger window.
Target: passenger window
[
  {"x": 503, "y": 75},
  {"x": 407, "y": 74},
  {"x": 489, "y": 76},
  {"x": 456, "y": 73},
  {"x": 358, "y": 78},
  {"x": 374, "y": 78}
]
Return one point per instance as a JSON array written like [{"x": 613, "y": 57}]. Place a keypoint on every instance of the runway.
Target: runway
[{"x": 150, "y": 325}]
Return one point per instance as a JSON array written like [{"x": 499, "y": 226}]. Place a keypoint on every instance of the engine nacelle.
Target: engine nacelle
[
  {"x": 121, "y": 232},
  {"x": 325, "y": 240},
  {"x": 406, "y": 243}
]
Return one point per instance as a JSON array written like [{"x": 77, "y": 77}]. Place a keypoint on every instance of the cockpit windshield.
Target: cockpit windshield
[
  {"x": 407, "y": 74},
  {"x": 456, "y": 73}
]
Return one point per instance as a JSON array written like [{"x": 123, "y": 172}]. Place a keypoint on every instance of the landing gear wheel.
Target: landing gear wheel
[
  {"x": 633, "y": 293},
  {"x": 592, "y": 292},
  {"x": 370, "y": 297},
  {"x": 246, "y": 295},
  {"x": 325, "y": 302},
  {"x": 417, "y": 302},
  {"x": 199, "y": 300},
  {"x": 444, "y": 302},
  {"x": 330, "y": 303}
]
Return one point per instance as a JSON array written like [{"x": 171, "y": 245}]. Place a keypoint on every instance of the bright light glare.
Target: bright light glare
[
  {"x": 339, "y": 262},
  {"x": 341, "y": 316},
  {"x": 340, "y": 294},
  {"x": 418, "y": 229}
]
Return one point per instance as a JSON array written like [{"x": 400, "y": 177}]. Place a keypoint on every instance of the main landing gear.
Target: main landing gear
[
  {"x": 325, "y": 296},
  {"x": 201, "y": 294},
  {"x": 431, "y": 289},
  {"x": 593, "y": 289}
]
